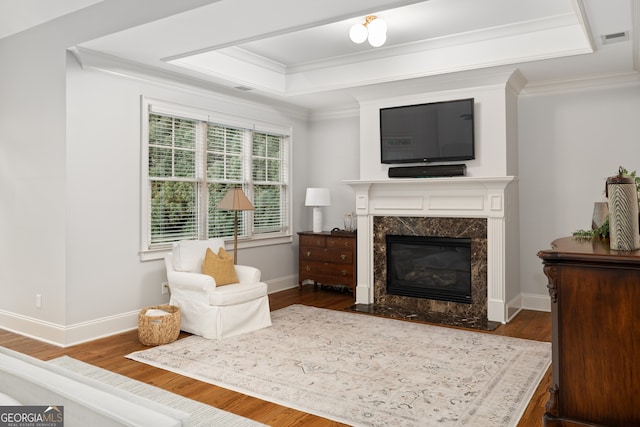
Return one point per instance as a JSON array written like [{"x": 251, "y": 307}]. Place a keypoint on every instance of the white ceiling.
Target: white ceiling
[
  {"x": 304, "y": 56},
  {"x": 19, "y": 15}
]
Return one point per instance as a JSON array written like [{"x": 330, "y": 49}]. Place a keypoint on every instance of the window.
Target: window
[{"x": 191, "y": 158}]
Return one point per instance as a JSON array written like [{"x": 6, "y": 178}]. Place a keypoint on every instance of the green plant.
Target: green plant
[
  {"x": 632, "y": 174},
  {"x": 600, "y": 232},
  {"x": 603, "y": 230}
]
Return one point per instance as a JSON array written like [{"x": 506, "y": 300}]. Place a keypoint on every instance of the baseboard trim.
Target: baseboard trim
[
  {"x": 514, "y": 307},
  {"x": 527, "y": 302},
  {"x": 65, "y": 336},
  {"x": 282, "y": 283},
  {"x": 520, "y": 302},
  {"x": 535, "y": 302},
  {"x": 48, "y": 332},
  {"x": 100, "y": 328}
]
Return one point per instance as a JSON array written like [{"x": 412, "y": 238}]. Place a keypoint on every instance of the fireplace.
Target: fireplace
[
  {"x": 470, "y": 313},
  {"x": 429, "y": 267},
  {"x": 483, "y": 209}
]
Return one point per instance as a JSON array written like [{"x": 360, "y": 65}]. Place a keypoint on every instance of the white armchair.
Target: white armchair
[{"x": 211, "y": 311}]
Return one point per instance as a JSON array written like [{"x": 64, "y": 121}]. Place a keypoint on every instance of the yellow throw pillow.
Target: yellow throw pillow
[{"x": 220, "y": 267}]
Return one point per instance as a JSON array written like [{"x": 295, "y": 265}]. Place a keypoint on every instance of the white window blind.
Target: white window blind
[
  {"x": 172, "y": 179},
  {"x": 191, "y": 163},
  {"x": 269, "y": 177}
]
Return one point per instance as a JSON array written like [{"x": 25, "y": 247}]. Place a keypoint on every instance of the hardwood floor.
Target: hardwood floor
[{"x": 108, "y": 353}]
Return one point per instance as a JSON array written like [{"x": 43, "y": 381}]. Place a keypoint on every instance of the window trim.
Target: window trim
[{"x": 151, "y": 105}]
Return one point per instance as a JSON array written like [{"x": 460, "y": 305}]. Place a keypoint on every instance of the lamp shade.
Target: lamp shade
[
  {"x": 358, "y": 33},
  {"x": 377, "y": 32},
  {"x": 235, "y": 200},
  {"x": 317, "y": 197},
  {"x": 377, "y": 26}
]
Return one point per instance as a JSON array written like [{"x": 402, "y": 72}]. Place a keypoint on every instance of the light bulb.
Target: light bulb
[
  {"x": 377, "y": 32},
  {"x": 377, "y": 39},
  {"x": 377, "y": 26},
  {"x": 358, "y": 33}
]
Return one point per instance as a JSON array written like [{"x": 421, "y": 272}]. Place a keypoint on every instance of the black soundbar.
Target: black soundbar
[{"x": 427, "y": 171}]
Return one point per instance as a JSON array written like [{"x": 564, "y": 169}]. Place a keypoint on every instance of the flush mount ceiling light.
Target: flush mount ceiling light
[{"x": 374, "y": 29}]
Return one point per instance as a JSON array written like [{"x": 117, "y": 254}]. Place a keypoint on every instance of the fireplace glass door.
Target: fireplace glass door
[{"x": 436, "y": 268}]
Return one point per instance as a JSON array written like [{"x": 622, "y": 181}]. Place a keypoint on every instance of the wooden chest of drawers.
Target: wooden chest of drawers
[
  {"x": 595, "y": 293},
  {"x": 329, "y": 259}
]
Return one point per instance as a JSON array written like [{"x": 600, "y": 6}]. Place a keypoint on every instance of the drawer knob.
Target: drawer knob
[
  {"x": 344, "y": 273},
  {"x": 308, "y": 253},
  {"x": 343, "y": 256},
  {"x": 308, "y": 268}
]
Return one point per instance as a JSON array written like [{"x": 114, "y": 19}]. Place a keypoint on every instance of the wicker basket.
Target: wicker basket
[{"x": 158, "y": 330}]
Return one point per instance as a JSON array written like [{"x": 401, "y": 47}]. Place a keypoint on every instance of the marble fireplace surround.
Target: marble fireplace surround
[
  {"x": 459, "y": 314},
  {"x": 401, "y": 204}
]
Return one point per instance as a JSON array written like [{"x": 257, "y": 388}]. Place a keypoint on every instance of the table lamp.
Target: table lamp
[
  {"x": 235, "y": 200},
  {"x": 317, "y": 197}
]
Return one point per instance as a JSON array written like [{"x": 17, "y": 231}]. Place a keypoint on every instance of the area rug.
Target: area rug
[
  {"x": 200, "y": 414},
  {"x": 368, "y": 371}
]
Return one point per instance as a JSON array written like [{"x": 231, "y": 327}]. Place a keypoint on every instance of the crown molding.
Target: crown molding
[
  {"x": 90, "y": 59},
  {"x": 342, "y": 112},
  {"x": 581, "y": 84}
]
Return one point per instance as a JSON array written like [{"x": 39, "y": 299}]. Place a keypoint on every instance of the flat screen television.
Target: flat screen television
[{"x": 424, "y": 133}]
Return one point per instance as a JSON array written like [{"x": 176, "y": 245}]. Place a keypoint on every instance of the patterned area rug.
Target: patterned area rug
[{"x": 369, "y": 371}]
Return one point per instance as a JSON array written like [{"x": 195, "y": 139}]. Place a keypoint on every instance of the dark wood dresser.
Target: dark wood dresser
[
  {"x": 595, "y": 308},
  {"x": 329, "y": 259}
]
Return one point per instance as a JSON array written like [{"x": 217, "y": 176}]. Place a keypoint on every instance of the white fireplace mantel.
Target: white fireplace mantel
[{"x": 494, "y": 198}]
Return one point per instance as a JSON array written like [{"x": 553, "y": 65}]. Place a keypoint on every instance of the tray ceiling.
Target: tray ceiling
[{"x": 300, "y": 52}]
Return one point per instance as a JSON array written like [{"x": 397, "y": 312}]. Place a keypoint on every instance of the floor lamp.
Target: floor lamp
[{"x": 235, "y": 200}]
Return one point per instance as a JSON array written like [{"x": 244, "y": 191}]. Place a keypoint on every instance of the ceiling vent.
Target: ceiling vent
[{"x": 615, "y": 37}]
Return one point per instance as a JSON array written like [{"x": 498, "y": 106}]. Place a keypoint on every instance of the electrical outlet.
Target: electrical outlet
[
  {"x": 38, "y": 301},
  {"x": 164, "y": 288}
]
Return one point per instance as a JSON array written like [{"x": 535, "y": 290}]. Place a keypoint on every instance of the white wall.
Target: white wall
[
  {"x": 334, "y": 152},
  {"x": 32, "y": 179},
  {"x": 570, "y": 142},
  {"x": 103, "y": 197}
]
